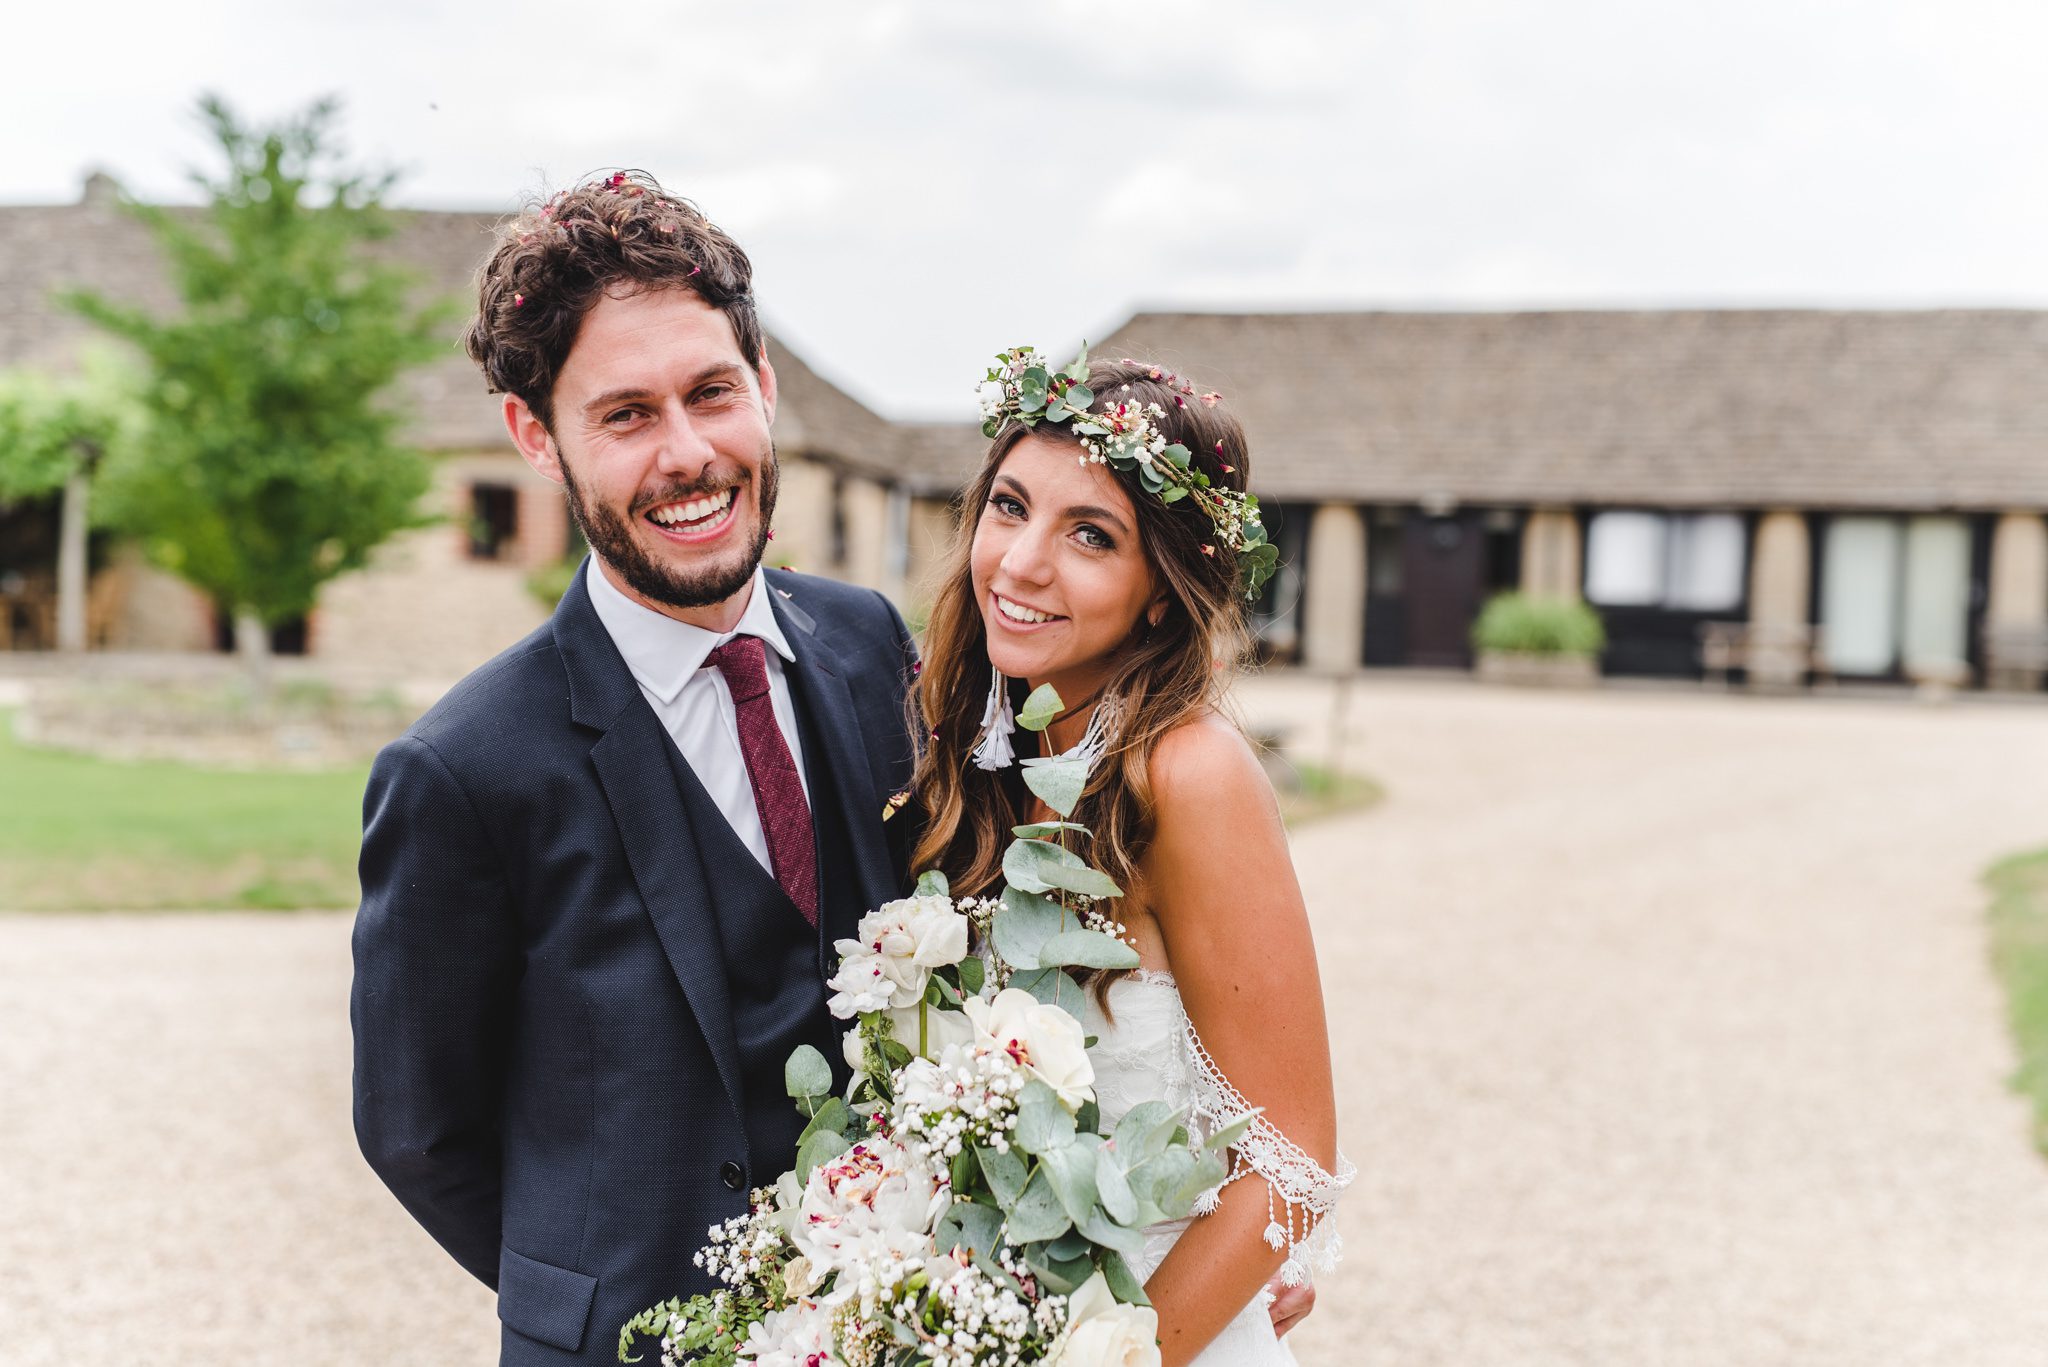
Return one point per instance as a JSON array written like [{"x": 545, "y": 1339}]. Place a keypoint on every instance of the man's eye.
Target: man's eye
[
  {"x": 714, "y": 391},
  {"x": 623, "y": 415}
]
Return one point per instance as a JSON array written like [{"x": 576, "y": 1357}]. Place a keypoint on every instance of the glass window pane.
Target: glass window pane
[
  {"x": 1625, "y": 559},
  {"x": 1706, "y": 563},
  {"x": 1859, "y": 594},
  {"x": 1937, "y": 628}
]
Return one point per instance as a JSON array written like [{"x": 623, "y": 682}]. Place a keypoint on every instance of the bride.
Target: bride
[{"x": 1094, "y": 557}]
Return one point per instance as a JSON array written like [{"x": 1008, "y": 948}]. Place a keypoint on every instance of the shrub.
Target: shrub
[
  {"x": 548, "y": 583},
  {"x": 1519, "y": 623}
]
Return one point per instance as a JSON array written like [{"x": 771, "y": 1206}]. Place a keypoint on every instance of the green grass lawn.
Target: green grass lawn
[
  {"x": 82, "y": 833},
  {"x": 2019, "y": 952},
  {"x": 1320, "y": 792}
]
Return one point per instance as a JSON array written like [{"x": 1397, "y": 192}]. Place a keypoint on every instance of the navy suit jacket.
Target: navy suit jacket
[{"x": 548, "y": 1070}]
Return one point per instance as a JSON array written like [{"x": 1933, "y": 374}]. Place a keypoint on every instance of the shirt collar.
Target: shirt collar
[{"x": 661, "y": 652}]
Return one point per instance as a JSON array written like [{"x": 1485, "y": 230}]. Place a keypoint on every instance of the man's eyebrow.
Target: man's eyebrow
[{"x": 625, "y": 394}]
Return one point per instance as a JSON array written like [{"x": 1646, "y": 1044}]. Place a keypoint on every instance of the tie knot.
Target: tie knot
[{"x": 744, "y": 663}]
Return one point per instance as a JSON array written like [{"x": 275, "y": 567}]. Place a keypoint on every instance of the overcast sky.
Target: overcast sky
[{"x": 920, "y": 184}]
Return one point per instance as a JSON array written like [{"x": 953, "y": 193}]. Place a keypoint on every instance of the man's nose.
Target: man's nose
[{"x": 685, "y": 446}]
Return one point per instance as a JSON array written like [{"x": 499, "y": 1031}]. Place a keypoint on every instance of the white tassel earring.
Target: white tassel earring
[{"x": 998, "y": 721}]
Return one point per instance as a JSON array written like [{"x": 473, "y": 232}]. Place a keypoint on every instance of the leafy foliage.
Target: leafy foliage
[
  {"x": 274, "y": 463},
  {"x": 51, "y": 426},
  {"x": 1528, "y": 624}
]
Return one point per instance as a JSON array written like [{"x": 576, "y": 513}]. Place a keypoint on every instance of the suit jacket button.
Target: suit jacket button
[{"x": 733, "y": 1176}]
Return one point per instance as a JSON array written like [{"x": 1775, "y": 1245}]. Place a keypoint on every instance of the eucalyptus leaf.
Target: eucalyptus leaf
[
  {"x": 978, "y": 1227},
  {"x": 1039, "y": 866},
  {"x": 1113, "y": 1189},
  {"x": 947, "y": 993},
  {"x": 1110, "y": 1234},
  {"x": 1040, "y": 708},
  {"x": 1036, "y": 1214},
  {"x": 1053, "y": 987},
  {"x": 932, "y": 883},
  {"x": 1005, "y": 1172},
  {"x": 807, "y": 1074},
  {"x": 1042, "y": 1123},
  {"x": 1023, "y": 923},
  {"x": 1073, "y": 1244},
  {"x": 1173, "y": 493},
  {"x": 1144, "y": 1131},
  {"x": 1038, "y": 830},
  {"x": 972, "y": 975},
  {"x": 1234, "y": 1131},
  {"x": 1160, "y": 1176},
  {"x": 1087, "y": 949},
  {"x": 1057, "y": 780},
  {"x": 1123, "y": 1283},
  {"x": 1079, "y": 397},
  {"x": 1059, "y": 1276},
  {"x": 1208, "y": 1171},
  {"x": 821, "y": 1147},
  {"x": 1072, "y": 1170},
  {"x": 832, "y": 1116}
]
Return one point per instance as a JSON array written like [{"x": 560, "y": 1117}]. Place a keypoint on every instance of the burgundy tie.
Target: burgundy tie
[{"x": 778, "y": 789}]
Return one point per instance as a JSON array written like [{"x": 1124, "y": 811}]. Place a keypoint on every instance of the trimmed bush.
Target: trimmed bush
[{"x": 1521, "y": 624}]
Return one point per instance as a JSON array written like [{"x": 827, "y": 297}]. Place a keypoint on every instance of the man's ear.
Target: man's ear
[
  {"x": 767, "y": 378},
  {"x": 530, "y": 435}
]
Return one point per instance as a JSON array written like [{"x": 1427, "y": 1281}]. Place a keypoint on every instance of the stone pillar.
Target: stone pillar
[
  {"x": 1550, "y": 554},
  {"x": 1333, "y": 588},
  {"x": 1780, "y": 599},
  {"x": 2017, "y": 603},
  {"x": 543, "y": 522}
]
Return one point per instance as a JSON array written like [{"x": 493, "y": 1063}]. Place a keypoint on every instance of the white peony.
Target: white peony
[
  {"x": 898, "y": 946},
  {"x": 798, "y": 1336},
  {"x": 1104, "y": 1332},
  {"x": 871, "y": 1206},
  {"x": 1047, "y": 1041}
]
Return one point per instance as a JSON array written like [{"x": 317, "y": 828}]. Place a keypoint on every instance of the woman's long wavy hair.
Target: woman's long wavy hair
[{"x": 1165, "y": 675}]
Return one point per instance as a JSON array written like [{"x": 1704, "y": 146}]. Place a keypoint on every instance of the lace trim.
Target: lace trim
[{"x": 1299, "y": 1194}]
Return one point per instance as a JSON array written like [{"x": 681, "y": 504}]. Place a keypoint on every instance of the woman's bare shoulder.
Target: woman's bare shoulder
[{"x": 1206, "y": 764}]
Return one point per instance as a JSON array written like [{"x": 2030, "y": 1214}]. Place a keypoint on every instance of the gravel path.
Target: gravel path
[{"x": 1662, "y": 1021}]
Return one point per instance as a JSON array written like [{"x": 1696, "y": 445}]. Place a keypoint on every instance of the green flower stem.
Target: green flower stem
[{"x": 923, "y": 1007}]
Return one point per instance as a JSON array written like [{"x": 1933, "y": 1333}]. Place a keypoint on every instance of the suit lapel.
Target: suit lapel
[
  {"x": 820, "y": 677},
  {"x": 662, "y": 848}
]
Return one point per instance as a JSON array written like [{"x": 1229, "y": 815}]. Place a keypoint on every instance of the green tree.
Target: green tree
[
  {"x": 274, "y": 463},
  {"x": 56, "y": 434}
]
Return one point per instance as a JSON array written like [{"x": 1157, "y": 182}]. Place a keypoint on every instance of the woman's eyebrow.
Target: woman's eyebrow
[{"x": 1091, "y": 512}]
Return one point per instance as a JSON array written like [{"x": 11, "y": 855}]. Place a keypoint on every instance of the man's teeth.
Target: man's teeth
[
  {"x": 669, "y": 514},
  {"x": 1017, "y": 612}
]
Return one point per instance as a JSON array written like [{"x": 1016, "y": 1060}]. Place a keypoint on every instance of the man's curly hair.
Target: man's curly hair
[{"x": 616, "y": 231}]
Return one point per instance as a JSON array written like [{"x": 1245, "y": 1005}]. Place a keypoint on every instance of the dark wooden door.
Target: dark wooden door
[{"x": 1443, "y": 566}]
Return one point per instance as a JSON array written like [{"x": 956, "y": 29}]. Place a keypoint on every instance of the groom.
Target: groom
[{"x": 601, "y": 878}]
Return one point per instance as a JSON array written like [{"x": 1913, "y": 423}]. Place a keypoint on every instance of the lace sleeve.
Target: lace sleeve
[{"x": 1300, "y": 1195}]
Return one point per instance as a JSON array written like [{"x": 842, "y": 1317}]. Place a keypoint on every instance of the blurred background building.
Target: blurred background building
[{"x": 1784, "y": 494}]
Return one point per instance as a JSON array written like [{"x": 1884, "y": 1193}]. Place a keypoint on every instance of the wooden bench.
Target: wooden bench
[
  {"x": 1766, "y": 655},
  {"x": 2015, "y": 655}
]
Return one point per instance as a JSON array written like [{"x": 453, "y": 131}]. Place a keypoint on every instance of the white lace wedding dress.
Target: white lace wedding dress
[{"x": 1149, "y": 1051}]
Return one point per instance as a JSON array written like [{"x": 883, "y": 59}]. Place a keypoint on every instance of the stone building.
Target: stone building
[
  {"x": 1857, "y": 495},
  {"x": 439, "y": 600},
  {"x": 1868, "y": 488}
]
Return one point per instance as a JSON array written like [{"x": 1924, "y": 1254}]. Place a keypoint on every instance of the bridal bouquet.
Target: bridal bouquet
[{"x": 961, "y": 1203}]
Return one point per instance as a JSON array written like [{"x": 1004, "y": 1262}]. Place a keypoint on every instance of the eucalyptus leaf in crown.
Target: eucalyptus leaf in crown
[
  {"x": 1124, "y": 434},
  {"x": 960, "y": 1203}
]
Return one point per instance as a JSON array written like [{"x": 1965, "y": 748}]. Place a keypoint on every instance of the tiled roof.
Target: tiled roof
[
  {"x": 1740, "y": 408},
  {"x": 93, "y": 244}
]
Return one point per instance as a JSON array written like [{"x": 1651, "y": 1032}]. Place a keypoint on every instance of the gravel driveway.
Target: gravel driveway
[{"x": 1663, "y": 1028}]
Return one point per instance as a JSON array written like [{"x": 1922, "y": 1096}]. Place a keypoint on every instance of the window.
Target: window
[
  {"x": 493, "y": 520},
  {"x": 1690, "y": 562}
]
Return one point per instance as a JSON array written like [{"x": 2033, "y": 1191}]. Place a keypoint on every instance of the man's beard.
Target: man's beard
[{"x": 613, "y": 541}]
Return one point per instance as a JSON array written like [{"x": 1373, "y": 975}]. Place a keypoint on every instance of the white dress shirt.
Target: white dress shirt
[{"x": 666, "y": 658}]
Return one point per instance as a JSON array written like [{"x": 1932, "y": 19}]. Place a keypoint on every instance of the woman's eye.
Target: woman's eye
[
  {"x": 1007, "y": 506},
  {"x": 1094, "y": 538}
]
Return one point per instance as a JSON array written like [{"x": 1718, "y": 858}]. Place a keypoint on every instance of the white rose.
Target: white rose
[
  {"x": 1048, "y": 1042},
  {"x": 895, "y": 950},
  {"x": 874, "y": 1202},
  {"x": 1104, "y": 1332},
  {"x": 800, "y": 1277},
  {"x": 798, "y": 1336}
]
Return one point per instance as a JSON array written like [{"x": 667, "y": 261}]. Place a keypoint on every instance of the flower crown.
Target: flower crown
[{"x": 1023, "y": 387}]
